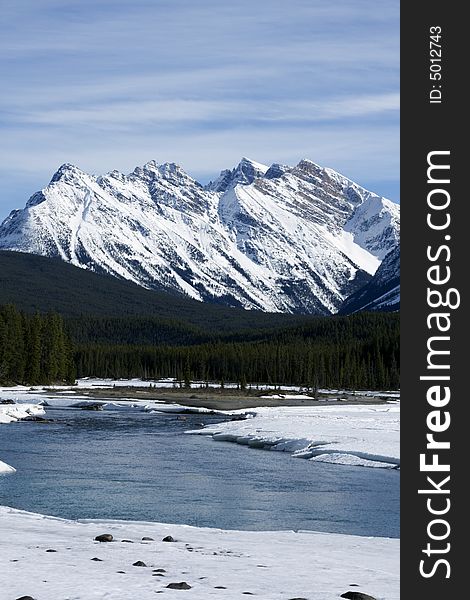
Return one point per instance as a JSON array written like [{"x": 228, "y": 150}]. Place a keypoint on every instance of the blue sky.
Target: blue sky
[{"x": 110, "y": 84}]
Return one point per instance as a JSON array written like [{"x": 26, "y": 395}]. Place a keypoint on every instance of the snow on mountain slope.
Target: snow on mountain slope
[
  {"x": 290, "y": 239},
  {"x": 383, "y": 290}
]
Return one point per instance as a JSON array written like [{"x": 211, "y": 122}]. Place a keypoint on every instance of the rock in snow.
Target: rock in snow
[
  {"x": 288, "y": 239},
  {"x": 182, "y": 585},
  {"x": 104, "y": 537},
  {"x": 357, "y": 596}
]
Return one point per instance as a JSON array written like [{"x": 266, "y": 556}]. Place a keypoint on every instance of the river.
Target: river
[{"x": 142, "y": 466}]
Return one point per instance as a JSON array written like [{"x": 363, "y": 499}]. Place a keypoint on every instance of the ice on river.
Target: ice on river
[{"x": 365, "y": 435}]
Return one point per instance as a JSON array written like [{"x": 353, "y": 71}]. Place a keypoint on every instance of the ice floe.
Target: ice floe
[{"x": 360, "y": 435}]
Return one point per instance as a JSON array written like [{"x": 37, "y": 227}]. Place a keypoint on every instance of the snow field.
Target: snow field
[{"x": 53, "y": 559}]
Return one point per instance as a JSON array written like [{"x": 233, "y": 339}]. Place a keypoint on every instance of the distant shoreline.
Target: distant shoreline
[{"x": 226, "y": 399}]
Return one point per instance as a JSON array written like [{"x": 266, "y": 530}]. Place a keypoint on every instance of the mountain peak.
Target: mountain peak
[
  {"x": 248, "y": 170},
  {"x": 67, "y": 172},
  {"x": 248, "y": 162},
  {"x": 149, "y": 169},
  {"x": 151, "y": 164},
  {"x": 309, "y": 167},
  {"x": 307, "y": 162},
  {"x": 168, "y": 170},
  {"x": 244, "y": 173}
]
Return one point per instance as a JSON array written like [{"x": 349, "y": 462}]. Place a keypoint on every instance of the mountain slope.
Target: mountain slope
[
  {"x": 36, "y": 283},
  {"x": 382, "y": 293},
  {"x": 280, "y": 239}
]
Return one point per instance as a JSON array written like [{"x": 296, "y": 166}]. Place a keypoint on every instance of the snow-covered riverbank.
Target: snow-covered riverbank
[
  {"x": 354, "y": 435},
  {"x": 53, "y": 559},
  {"x": 14, "y": 412},
  {"x": 362, "y": 435}
]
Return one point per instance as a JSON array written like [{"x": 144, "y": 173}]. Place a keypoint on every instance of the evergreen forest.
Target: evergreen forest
[
  {"x": 359, "y": 351},
  {"x": 34, "y": 349}
]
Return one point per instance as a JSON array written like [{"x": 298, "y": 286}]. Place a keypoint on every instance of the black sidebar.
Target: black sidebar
[{"x": 435, "y": 194}]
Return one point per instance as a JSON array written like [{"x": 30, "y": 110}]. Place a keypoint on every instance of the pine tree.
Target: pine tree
[{"x": 33, "y": 351}]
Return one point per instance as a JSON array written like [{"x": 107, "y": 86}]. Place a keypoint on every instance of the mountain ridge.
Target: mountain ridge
[{"x": 281, "y": 239}]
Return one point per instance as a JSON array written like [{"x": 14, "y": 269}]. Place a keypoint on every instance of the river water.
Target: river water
[{"x": 142, "y": 466}]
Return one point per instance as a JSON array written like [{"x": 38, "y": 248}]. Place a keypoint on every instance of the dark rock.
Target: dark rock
[
  {"x": 120, "y": 571},
  {"x": 159, "y": 570},
  {"x": 51, "y": 550},
  {"x": 139, "y": 563},
  {"x": 92, "y": 407},
  {"x": 104, "y": 537},
  {"x": 25, "y": 598},
  {"x": 158, "y": 575},
  {"x": 147, "y": 539},
  {"x": 219, "y": 587},
  {"x": 97, "y": 559},
  {"x": 9, "y": 402},
  {"x": 168, "y": 538},
  {"x": 238, "y": 418},
  {"x": 37, "y": 419},
  {"x": 182, "y": 585},
  {"x": 357, "y": 596},
  {"x": 127, "y": 541}
]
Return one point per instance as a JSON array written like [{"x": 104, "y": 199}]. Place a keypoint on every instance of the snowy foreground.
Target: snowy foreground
[
  {"x": 55, "y": 559},
  {"x": 365, "y": 435}
]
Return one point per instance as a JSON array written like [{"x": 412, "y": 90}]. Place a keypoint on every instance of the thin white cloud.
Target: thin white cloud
[{"x": 178, "y": 112}]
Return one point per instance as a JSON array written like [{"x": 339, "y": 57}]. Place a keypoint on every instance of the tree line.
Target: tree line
[{"x": 354, "y": 352}]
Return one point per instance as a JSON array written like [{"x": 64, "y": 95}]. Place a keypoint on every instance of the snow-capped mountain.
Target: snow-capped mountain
[
  {"x": 278, "y": 238},
  {"x": 383, "y": 290}
]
